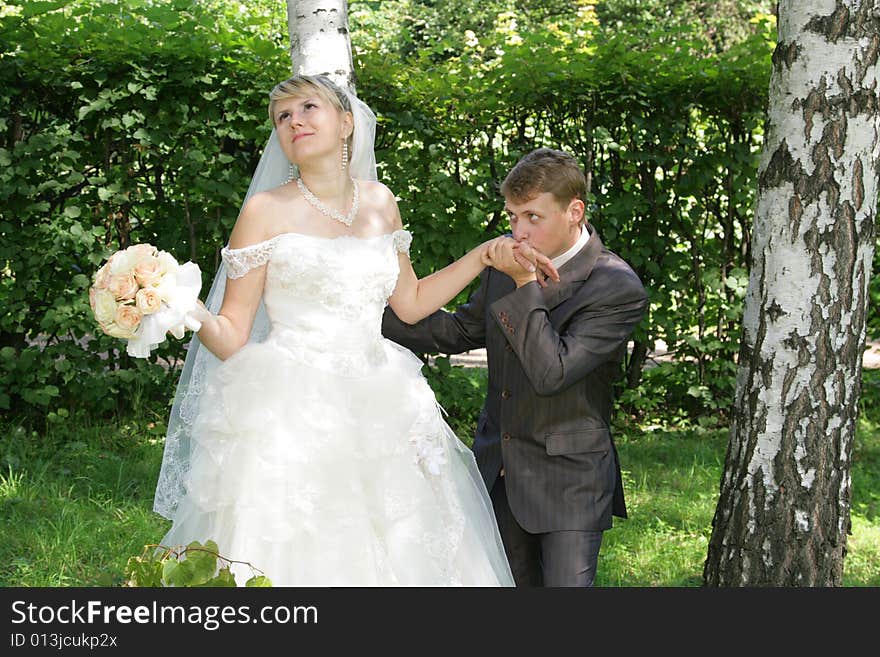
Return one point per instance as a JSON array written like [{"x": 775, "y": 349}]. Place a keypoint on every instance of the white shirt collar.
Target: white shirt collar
[{"x": 561, "y": 259}]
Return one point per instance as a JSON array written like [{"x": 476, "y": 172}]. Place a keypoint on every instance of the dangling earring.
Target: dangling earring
[
  {"x": 344, "y": 155},
  {"x": 291, "y": 172}
]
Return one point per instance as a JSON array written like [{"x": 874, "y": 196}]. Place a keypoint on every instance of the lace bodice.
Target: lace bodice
[
  {"x": 240, "y": 261},
  {"x": 325, "y": 296}
]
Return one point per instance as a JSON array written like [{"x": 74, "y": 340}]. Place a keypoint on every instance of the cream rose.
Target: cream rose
[
  {"x": 105, "y": 306},
  {"x": 123, "y": 286},
  {"x": 128, "y": 317},
  {"x": 148, "y": 300},
  {"x": 148, "y": 271},
  {"x": 141, "y": 252},
  {"x": 167, "y": 288},
  {"x": 122, "y": 263},
  {"x": 167, "y": 263},
  {"x": 116, "y": 331},
  {"x": 102, "y": 276}
]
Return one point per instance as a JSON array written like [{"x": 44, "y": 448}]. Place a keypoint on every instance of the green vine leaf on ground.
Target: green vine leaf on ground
[{"x": 193, "y": 565}]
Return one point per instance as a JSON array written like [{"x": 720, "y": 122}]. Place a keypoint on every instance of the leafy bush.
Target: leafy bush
[
  {"x": 142, "y": 122},
  {"x": 460, "y": 391},
  {"x": 121, "y": 124}
]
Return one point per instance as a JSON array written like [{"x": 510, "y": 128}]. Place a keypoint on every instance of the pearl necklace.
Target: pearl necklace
[{"x": 316, "y": 203}]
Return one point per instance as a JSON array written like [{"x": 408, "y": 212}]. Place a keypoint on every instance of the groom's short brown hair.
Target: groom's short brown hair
[{"x": 546, "y": 170}]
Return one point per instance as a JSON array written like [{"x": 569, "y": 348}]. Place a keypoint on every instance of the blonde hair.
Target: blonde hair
[{"x": 304, "y": 85}]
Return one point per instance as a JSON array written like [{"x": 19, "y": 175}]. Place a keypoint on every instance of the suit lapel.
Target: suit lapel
[{"x": 573, "y": 272}]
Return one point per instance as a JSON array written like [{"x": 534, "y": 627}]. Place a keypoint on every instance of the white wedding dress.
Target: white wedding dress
[{"x": 320, "y": 455}]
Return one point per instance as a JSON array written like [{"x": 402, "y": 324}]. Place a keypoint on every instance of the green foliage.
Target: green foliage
[
  {"x": 668, "y": 129},
  {"x": 719, "y": 25},
  {"x": 873, "y": 323},
  {"x": 866, "y": 452},
  {"x": 122, "y": 123},
  {"x": 142, "y": 122},
  {"x": 193, "y": 565},
  {"x": 460, "y": 391}
]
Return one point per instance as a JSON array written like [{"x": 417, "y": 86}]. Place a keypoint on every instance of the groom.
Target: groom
[{"x": 543, "y": 443}]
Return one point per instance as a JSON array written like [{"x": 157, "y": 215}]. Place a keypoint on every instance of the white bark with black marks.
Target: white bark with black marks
[
  {"x": 319, "y": 39},
  {"x": 783, "y": 512}
]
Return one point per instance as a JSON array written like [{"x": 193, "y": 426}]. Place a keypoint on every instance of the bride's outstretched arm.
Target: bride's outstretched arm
[
  {"x": 226, "y": 332},
  {"x": 414, "y": 298}
]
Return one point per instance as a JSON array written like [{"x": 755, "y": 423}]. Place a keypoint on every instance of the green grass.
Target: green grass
[
  {"x": 862, "y": 565},
  {"x": 671, "y": 481},
  {"x": 76, "y": 498},
  {"x": 74, "y": 510},
  {"x": 672, "y": 478}
]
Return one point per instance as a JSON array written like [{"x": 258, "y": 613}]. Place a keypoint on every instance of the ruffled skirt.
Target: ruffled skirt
[{"x": 318, "y": 476}]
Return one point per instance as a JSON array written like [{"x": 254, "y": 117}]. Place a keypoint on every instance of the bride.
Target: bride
[{"x": 301, "y": 441}]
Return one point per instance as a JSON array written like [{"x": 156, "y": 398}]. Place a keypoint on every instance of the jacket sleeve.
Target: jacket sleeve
[
  {"x": 553, "y": 361},
  {"x": 443, "y": 332}
]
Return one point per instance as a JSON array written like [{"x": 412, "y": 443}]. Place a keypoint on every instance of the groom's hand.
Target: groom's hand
[{"x": 522, "y": 262}]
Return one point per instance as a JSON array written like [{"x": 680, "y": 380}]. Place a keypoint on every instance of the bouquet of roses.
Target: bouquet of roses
[{"x": 140, "y": 294}]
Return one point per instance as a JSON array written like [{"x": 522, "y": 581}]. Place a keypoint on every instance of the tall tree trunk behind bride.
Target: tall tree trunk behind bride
[
  {"x": 784, "y": 510},
  {"x": 319, "y": 39}
]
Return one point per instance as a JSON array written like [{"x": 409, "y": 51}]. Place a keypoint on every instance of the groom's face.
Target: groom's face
[{"x": 545, "y": 223}]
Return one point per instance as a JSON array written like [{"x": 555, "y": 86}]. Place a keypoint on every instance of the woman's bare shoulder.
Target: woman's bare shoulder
[
  {"x": 258, "y": 216},
  {"x": 377, "y": 197},
  {"x": 375, "y": 191}
]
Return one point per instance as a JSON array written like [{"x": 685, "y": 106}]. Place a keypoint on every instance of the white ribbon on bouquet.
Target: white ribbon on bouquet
[{"x": 180, "y": 294}]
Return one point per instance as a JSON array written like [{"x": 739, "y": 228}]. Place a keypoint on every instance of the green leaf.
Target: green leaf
[
  {"x": 175, "y": 573},
  {"x": 259, "y": 581},
  {"x": 224, "y": 578},
  {"x": 202, "y": 563},
  {"x": 696, "y": 391},
  {"x": 73, "y": 211},
  {"x": 144, "y": 572},
  {"x": 40, "y": 396},
  {"x": 32, "y": 9}
]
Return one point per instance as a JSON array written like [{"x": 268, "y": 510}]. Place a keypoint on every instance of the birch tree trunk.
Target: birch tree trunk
[
  {"x": 319, "y": 39},
  {"x": 784, "y": 509}
]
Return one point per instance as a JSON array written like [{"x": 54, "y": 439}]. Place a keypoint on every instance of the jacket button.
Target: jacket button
[
  {"x": 505, "y": 394},
  {"x": 507, "y": 347},
  {"x": 506, "y": 436}
]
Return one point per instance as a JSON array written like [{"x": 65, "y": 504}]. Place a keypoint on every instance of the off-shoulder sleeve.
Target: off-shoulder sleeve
[
  {"x": 240, "y": 261},
  {"x": 402, "y": 239}
]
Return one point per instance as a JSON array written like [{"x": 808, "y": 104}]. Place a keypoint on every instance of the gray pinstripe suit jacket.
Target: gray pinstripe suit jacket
[{"x": 552, "y": 355}]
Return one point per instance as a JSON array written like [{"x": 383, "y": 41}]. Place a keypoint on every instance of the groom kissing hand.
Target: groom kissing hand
[
  {"x": 521, "y": 262},
  {"x": 554, "y": 347}
]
